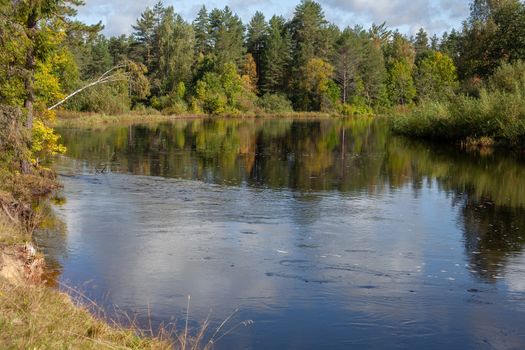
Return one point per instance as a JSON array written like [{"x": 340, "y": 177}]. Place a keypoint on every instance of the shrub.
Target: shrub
[
  {"x": 509, "y": 77},
  {"x": 104, "y": 98},
  {"x": 275, "y": 103},
  {"x": 497, "y": 115},
  {"x": 355, "y": 110}
]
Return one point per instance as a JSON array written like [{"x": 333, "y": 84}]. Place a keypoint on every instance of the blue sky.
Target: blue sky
[{"x": 408, "y": 16}]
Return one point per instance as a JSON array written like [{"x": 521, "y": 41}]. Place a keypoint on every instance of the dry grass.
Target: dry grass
[
  {"x": 10, "y": 233},
  {"x": 36, "y": 317},
  {"x": 101, "y": 121},
  {"x": 67, "y": 119}
]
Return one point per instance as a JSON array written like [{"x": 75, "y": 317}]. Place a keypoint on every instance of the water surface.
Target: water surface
[{"x": 327, "y": 234}]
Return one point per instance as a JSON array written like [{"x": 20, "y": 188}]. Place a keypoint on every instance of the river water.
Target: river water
[{"x": 328, "y": 234}]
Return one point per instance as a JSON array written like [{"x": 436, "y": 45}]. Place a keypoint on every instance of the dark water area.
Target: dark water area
[{"x": 328, "y": 234}]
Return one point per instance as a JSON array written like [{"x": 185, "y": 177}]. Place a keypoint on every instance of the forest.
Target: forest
[{"x": 216, "y": 64}]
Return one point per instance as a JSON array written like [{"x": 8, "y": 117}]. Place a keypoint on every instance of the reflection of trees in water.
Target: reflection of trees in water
[
  {"x": 343, "y": 154},
  {"x": 348, "y": 155},
  {"x": 492, "y": 234}
]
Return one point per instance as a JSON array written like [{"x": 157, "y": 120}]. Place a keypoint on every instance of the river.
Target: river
[{"x": 328, "y": 233}]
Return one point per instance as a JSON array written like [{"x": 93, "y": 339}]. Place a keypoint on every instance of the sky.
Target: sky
[{"x": 435, "y": 16}]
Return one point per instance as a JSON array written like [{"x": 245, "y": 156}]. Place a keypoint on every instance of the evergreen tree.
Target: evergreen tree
[
  {"x": 256, "y": 39},
  {"x": 309, "y": 40},
  {"x": 227, "y": 37},
  {"x": 118, "y": 48},
  {"x": 421, "y": 43},
  {"x": 308, "y": 28},
  {"x": 373, "y": 75},
  {"x": 201, "y": 27},
  {"x": 348, "y": 58},
  {"x": 176, "y": 47},
  {"x": 100, "y": 59},
  {"x": 144, "y": 35},
  {"x": 275, "y": 57}
]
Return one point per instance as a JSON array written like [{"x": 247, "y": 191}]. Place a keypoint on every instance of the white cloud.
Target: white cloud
[
  {"x": 408, "y": 16},
  {"x": 433, "y": 15}
]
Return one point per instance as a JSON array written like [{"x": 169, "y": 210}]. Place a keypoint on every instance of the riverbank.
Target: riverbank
[
  {"x": 34, "y": 315},
  {"x": 67, "y": 119}
]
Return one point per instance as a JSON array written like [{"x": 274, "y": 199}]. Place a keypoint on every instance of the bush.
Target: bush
[
  {"x": 274, "y": 103},
  {"x": 176, "y": 107},
  {"x": 498, "y": 115},
  {"x": 350, "y": 110},
  {"x": 104, "y": 98},
  {"x": 509, "y": 77}
]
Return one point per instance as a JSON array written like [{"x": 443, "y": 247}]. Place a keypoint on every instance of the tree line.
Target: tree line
[{"x": 217, "y": 64}]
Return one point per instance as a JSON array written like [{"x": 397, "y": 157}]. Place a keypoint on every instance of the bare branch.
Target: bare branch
[{"x": 103, "y": 79}]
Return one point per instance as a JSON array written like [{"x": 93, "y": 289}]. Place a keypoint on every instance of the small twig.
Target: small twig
[
  {"x": 186, "y": 328},
  {"x": 222, "y": 325},
  {"x": 6, "y": 211}
]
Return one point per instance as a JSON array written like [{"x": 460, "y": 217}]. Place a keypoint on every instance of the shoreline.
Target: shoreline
[
  {"x": 34, "y": 314},
  {"x": 66, "y": 119}
]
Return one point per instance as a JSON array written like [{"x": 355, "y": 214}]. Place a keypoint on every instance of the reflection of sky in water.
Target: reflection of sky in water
[{"x": 312, "y": 269}]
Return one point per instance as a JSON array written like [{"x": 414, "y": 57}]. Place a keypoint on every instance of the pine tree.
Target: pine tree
[
  {"x": 144, "y": 35},
  {"x": 308, "y": 28},
  {"x": 256, "y": 38},
  {"x": 227, "y": 37},
  {"x": 275, "y": 57},
  {"x": 421, "y": 43},
  {"x": 118, "y": 48},
  {"x": 347, "y": 60},
  {"x": 201, "y": 27}
]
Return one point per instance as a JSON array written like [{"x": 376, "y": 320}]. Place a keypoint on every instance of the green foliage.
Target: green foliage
[
  {"x": 44, "y": 139},
  {"x": 317, "y": 82},
  {"x": 355, "y": 110},
  {"x": 105, "y": 98},
  {"x": 309, "y": 28},
  {"x": 436, "y": 77},
  {"x": 201, "y": 28},
  {"x": 401, "y": 87},
  {"x": 494, "y": 32},
  {"x": 227, "y": 37},
  {"x": 275, "y": 103},
  {"x": 222, "y": 65},
  {"x": 224, "y": 92},
  {"x": 495, "y": 115},
  {"x": 256, "y": 39},
  {"x": 509, "y": 77},
  {"x": 176, "y": 43},
  {"x": 276, "y": 57}
]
